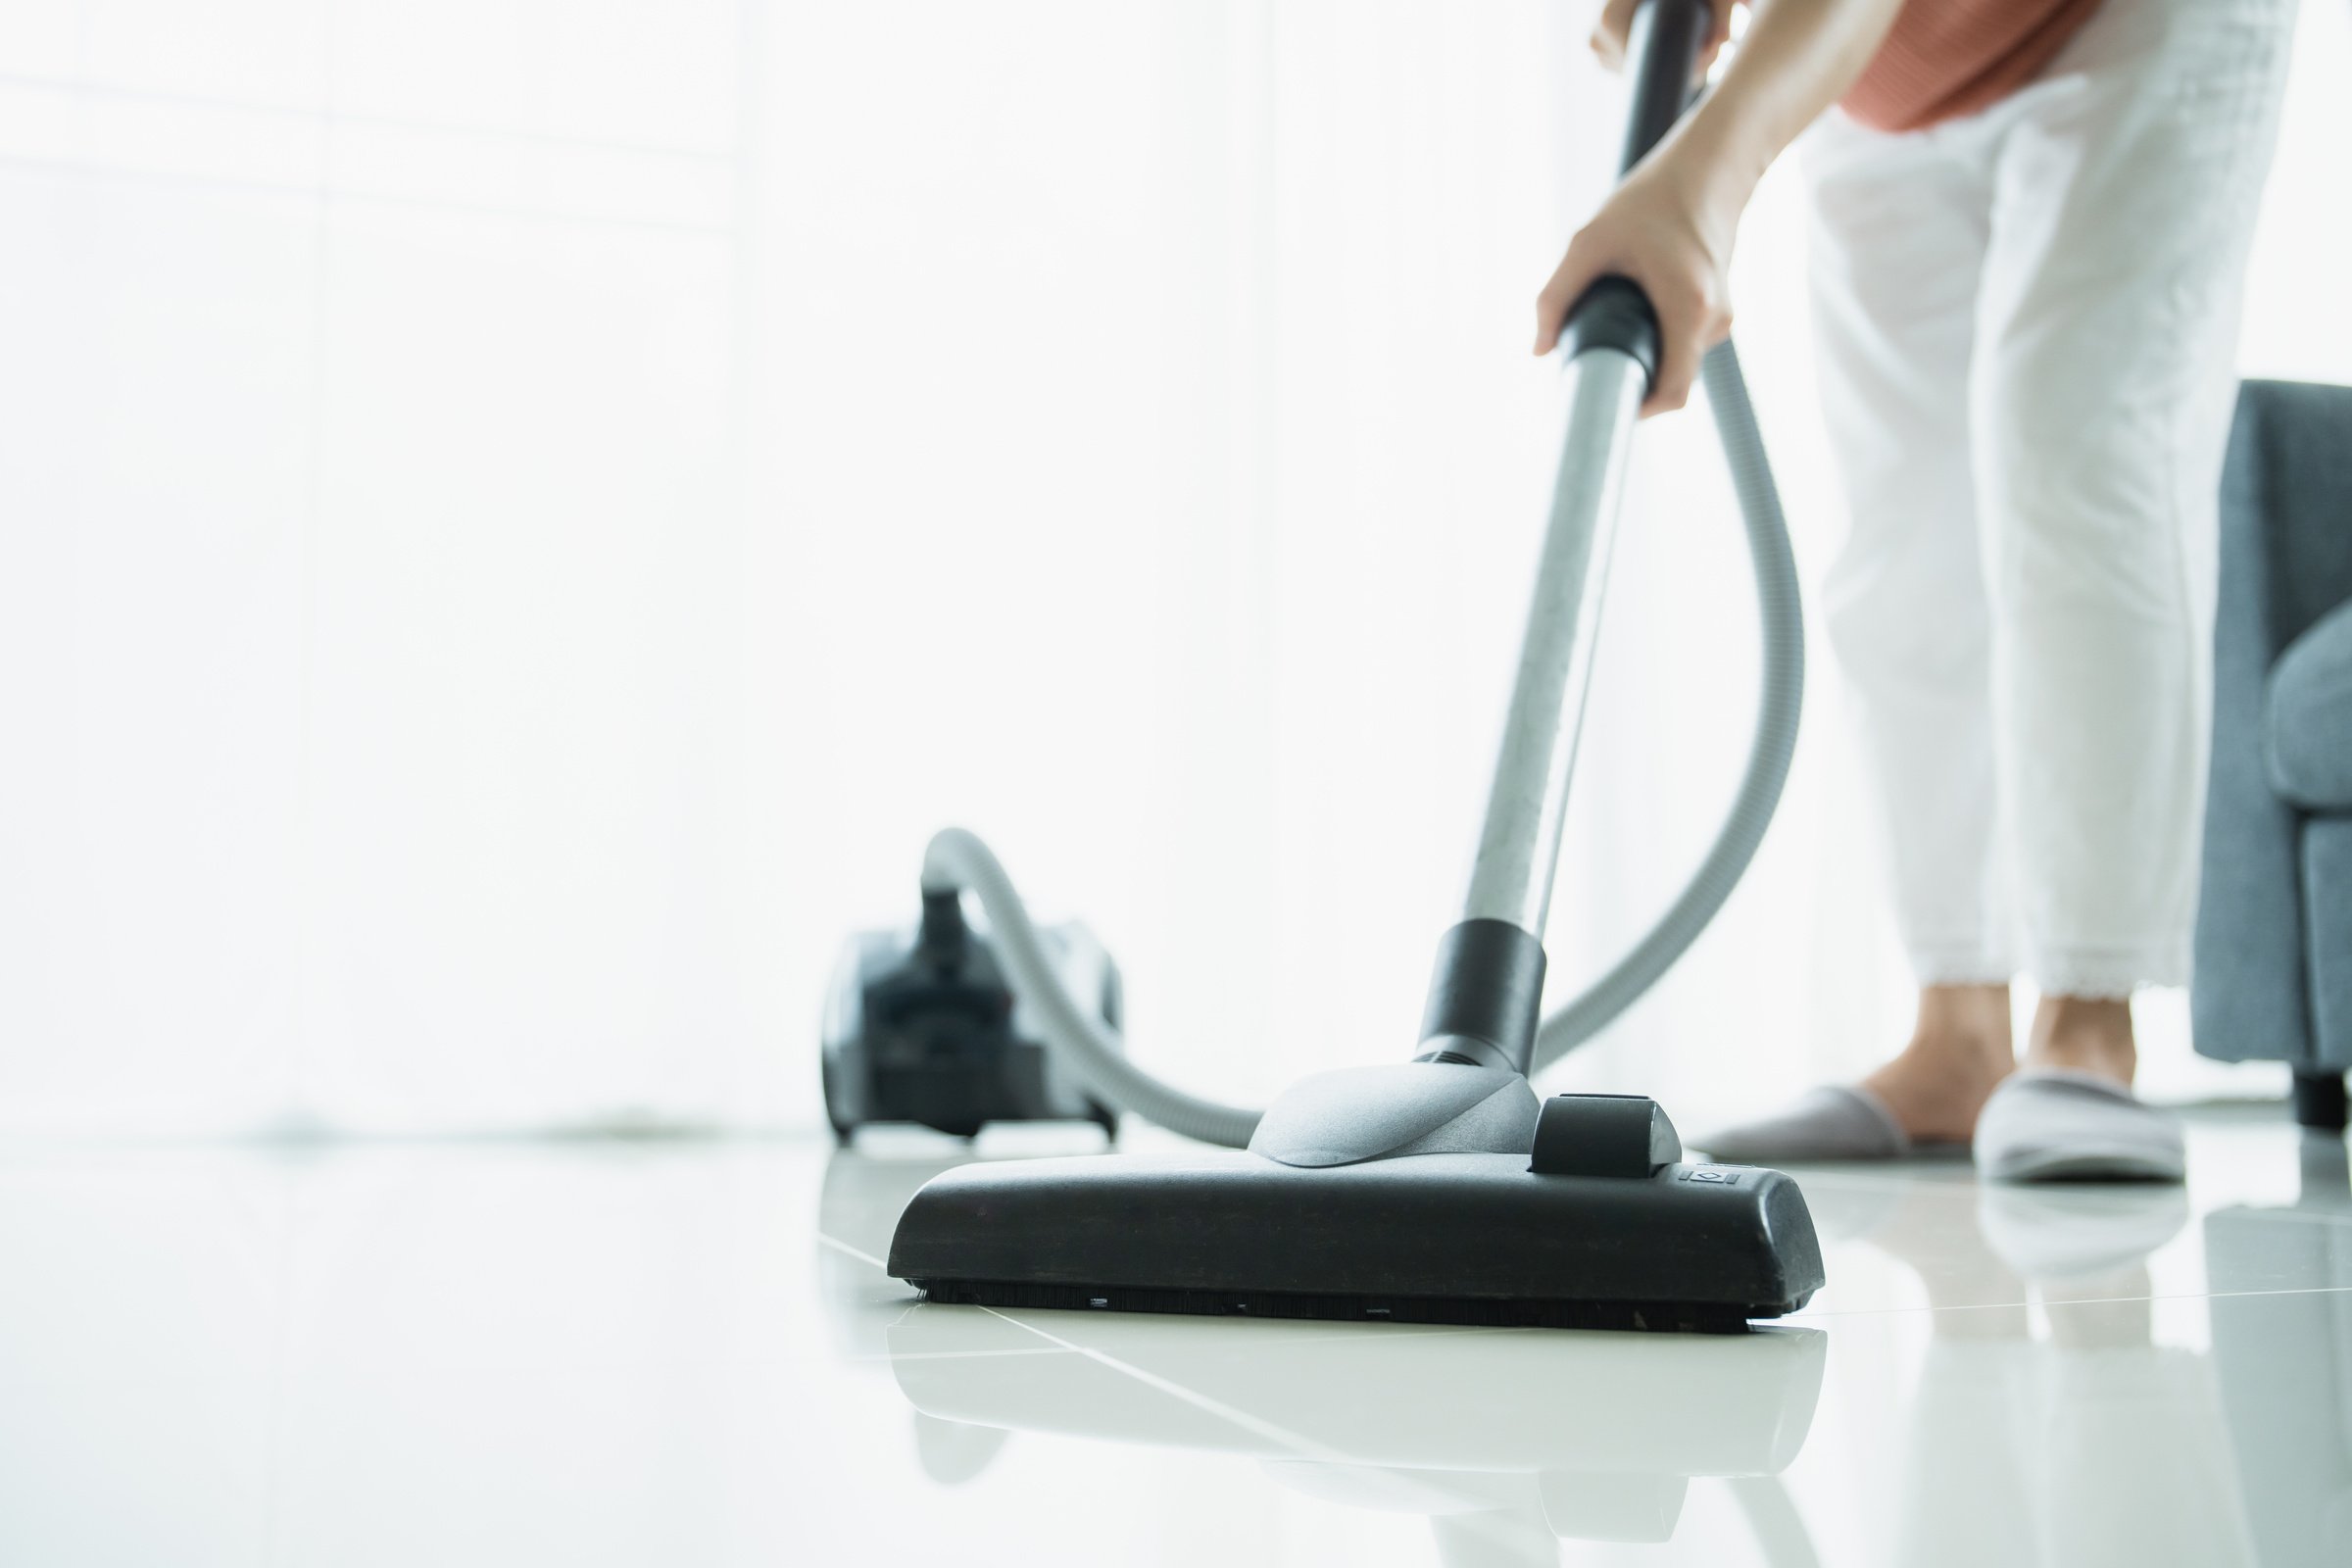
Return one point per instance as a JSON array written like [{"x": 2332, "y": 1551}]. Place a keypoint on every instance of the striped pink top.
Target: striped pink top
[{"x": 1949, "y": 57}]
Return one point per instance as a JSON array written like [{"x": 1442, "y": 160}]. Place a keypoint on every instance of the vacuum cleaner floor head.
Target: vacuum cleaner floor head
[{"x": 1448, "y": 1237}]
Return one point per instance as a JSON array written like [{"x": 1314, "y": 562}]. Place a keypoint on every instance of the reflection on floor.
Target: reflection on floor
[{"x": 687, "y": 1354}]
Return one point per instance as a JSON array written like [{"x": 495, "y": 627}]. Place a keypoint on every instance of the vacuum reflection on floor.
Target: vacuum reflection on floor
[{"x": 1508, "y": 1440}]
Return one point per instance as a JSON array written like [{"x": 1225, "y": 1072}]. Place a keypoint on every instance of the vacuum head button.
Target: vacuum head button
[{"x": 1603, "y": 1134}]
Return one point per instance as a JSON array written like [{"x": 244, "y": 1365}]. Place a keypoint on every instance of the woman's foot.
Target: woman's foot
[
  {"x": 1959, "y": 1053},
  {"x": 1928, "y": 1095},
  {"x": 2070, "y": 1115}
]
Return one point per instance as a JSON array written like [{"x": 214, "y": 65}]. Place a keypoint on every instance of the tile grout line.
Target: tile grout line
[
  {"x": 2087, "y": 1301},
  {"x": 844, "y": 1246},
  {"x": 1251, "y": 1423},
  {"x": 893, "y": 1357},
  {"x": 1303, "y": 1446}
]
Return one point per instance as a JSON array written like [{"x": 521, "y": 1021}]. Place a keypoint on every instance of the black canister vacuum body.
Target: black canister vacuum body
[{"x": 924, "y": 1026}]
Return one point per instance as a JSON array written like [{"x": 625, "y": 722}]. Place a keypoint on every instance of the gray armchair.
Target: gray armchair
[{"x": 2273, "y": 943}]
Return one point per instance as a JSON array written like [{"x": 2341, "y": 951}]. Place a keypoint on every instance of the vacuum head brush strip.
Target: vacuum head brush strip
[{"x": 1448, "y": 1237}]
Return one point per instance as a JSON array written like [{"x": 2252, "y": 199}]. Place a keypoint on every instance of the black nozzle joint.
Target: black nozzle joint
[
  {"x": 1614, "y": 313},
  {"x": 1485, "y": 998},
  {"x": 943, "y": 931}
]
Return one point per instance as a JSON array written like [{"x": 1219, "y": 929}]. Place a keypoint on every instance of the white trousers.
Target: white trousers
[{"x": 2028, "y": 321}]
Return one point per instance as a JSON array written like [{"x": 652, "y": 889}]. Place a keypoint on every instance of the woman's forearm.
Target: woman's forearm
[{"x": 1796, "y": 58}]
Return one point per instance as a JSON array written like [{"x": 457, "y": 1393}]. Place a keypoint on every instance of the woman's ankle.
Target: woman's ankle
[
  {"x": 1972, "y": 1021},
  {"x": 1959, "y": 1053},
  {"x": 2085, "y": 1034}
]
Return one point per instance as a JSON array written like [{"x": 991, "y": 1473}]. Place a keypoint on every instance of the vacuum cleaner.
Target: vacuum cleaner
[
  {"x": 922, "y": 1026},
  {"x": 1439, "y": 1188}
]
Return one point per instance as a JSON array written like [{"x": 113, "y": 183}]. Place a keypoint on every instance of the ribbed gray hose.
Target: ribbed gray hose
[
  {"x": 1781, "y": 614},
  {"x": 1090, "y": 1052},
  {"x": 1080, "y": 1040}
]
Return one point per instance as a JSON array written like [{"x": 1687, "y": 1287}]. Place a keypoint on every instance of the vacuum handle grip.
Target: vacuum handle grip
[
  {"x": 1661, "y": 50},
  {"x": 1662, "y": 45}
]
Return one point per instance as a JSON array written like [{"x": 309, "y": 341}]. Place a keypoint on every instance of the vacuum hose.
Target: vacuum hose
[
  {"x": 1082, "y": 1044},
  {"x": 1780, "y": 613},
  {"x": 1090, "y": 1052}
]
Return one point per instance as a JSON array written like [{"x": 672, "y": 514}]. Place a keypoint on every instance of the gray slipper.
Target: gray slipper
[
  {"x": 2049, "y": 1124},
  {"x": 2056, "y": 1232},
  {"x": 1839, "y": 1122}
]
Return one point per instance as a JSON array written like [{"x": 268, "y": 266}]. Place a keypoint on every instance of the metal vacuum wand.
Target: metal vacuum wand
[{"x": 1485, "y": 998}]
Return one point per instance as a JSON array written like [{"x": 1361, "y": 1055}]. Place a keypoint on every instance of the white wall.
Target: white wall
[
  {"x": 367, "y": 571},
  {"x": 515, "y": 519}
]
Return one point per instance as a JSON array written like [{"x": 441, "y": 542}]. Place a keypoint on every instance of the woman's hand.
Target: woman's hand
[
  {"x": 1670, "y": 224},
  {"x": 1668, "y": 227}
]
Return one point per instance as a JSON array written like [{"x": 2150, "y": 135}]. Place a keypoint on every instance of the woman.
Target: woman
[{"x": 2031, "y": 225}]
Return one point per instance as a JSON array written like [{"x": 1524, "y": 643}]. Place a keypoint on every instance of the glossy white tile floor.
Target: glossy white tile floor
[{"x": 684, "y": 1354}]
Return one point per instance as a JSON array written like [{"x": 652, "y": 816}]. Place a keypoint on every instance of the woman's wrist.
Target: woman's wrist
[
  {"x": 1717, "y": 174},
  {"x": 1720, "y": 156}
]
